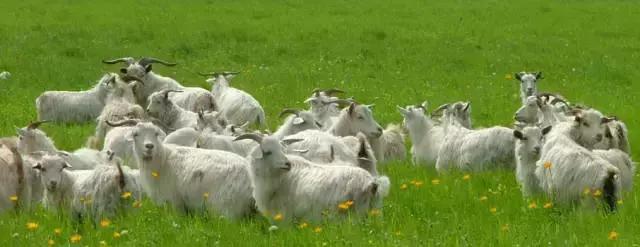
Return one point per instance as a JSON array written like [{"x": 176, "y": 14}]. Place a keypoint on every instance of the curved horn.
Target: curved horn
[
  {"x": 149, "y": 60},
  {"x": 128, "y": 60},
  {"x": 289, "y": 111},
  {"x": 331, "y": 91},
  {"x": 126, "y": 122},
  {"x": 166, "y": 92},
  {"x": 250, "y": 136},
  {"x": 440, "y": 109},
  {"x": 131, "y": 78},
  {"x": 36, "y": 124}
]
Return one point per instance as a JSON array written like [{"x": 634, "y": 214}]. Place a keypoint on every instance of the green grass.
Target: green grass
[{"x": 384, "y": 52}]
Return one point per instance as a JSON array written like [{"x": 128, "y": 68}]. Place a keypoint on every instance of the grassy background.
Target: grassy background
[{"x": 384, "y": 52}]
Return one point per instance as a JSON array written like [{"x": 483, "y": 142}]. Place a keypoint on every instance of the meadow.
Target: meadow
[{"x": 384, "y": 52}]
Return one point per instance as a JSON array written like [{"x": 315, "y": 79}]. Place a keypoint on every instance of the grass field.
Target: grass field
[{"x": 384, "y": 52}]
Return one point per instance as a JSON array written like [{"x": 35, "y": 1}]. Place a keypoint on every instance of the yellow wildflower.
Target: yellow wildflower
[
  {"x": 103, "y": 243},
  {"x": 32, "y": 226},
  {"x": 493, "y": 210},
  {"x": 116, "y": 235},
  {"x": 13, "y": 198},
  {"x": 50, "y": 242},
  {"x": 303, "y": 225},
  {"x": 57, "y": 231},
  {"x": 403, "y": 186},
  {"x": 278, "y": 217},
  {"x": 548, "y": 205},
  {"x": 398, "y": 233},
  {"x": 155, "y": 174},
  {"x": 547, "y": 165},
  {"x": 349, "y": 202},
  {"x": 597, "y": 193},
  {"x": 105, "y": 223},
  {"x": 620, "y": 202},
  {"x": 126, "y": 195},
  {"x": 343, "y": 206},
  {"x": 613, "y": 235},
  {"x": 483, "y": 198},
  {"x": 505, "y": 228},
  {"x": 374, "y": 212},
  {"x": 586, "y": 191},
  {"x": 75, "y": 238},
  {"x": 317, "y": 229},
  {"x": 435, "y": 181},
  {"x": 508, "y": 77},
  {"x": 533, "y": 205},
  {"x": 466, "y": 177},
  {"x": 205, "y": 195},
  {"x": 137, "y": 204}
]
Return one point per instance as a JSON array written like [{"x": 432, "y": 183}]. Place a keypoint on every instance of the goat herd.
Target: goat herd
[{"x": 191, "y": 148}]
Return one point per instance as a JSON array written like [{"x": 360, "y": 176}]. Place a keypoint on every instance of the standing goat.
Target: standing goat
[
  {"x": 76, "y": 107},
  {"x": 528, "y": 84},
  {"x": 426, "y": 136},
  {"x": 236, "y": 106},
  {"x": 192, "y": 99}
]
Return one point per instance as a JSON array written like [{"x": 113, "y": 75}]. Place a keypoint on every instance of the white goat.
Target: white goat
[
  {"x": 236, "y": 106},
  {"x": 192, "y": 99},
  {"x": 299, "y": 121},
  {"x": 191, "y": 179},
  {"x": 459, "y": 111},
  {"x": 392, "y": 143},
  {"x": 623, "y": 162},
  {"x": 426, "y": 136},
  {"x": 58, "y": 181},
  {"x": 325, "y": 106},
  {"x": 528, "y": 84},
  {"x": 12, "y": 179},
  {"x": 528, "y": 145},
  {"x": 32, "y": 139},
  {"x": 567, "y": 167},
  {"x": 171, "y": 115},
  {"x": 323, "y": 147},
  {"x": 616, "y": 136},
  {"x": 296, "y": 188},
  {"x": 75, "y": 107},
  {"x": 475, "y": 150}
]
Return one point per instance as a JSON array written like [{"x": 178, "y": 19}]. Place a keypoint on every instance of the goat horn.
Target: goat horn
[
  {"x": 167, "y": 91},
  {"x": 128, "y": 60},
  {"x": 289, "y": 111},
  {"x": 250, "y": 136},
  {"x": 331, "y": 91},
  {"x": 149, "y": 60},
  {"x": 36, "y": 124},
  {"x": 126, "y": 122},
  {"x": 216, "y": 74},
  {"x": 440, "y": 109}
]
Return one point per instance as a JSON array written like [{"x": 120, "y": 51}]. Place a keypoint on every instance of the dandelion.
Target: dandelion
[
  {"x": 137, "y": 204},
  {"x": 504, "y": 228},
  {"x": 32, "y": 226},
  {"x": 466, "y": 177},
  {"x": 57, "y": 231},
  {"x": 597, "y": 193},
  {"x": 483, "y": 198},
  {"x": 508, "y": 77},
  {"x": 398, "y": 233},
  {"x": 547, "y": 165},
  {"x": 613, "y": 235},
  {"x": 533, "y": 205},
  {"x": 13, "y": 198},
  {"x": 303, "y": 225},
  {"x": 116, "y": 235},
  {"x": 586, "y": 191},
  {"x": 50, "y": 242},
  {"x": 317, "y": 229},
  {"x": 493, "y": 210},
  {"x": 374, "y": 212},
  {"x": 103, "y": 243},
  {"x": 278, "y": 217},
  {"x": 620, "y": 202},
  {"x": 105, "y": 223},
  {"x": 548, "y": 205},
  {"x": 403, "y": 186},
  {"x": 349, "y": 202},
  {"x": 435, "y": 181},
  {"x": 205, "y": 195},
  {"x": 75, "y": 238},
  {"x": 155, "y": 174},
  {"x": 126, "y": 195}
]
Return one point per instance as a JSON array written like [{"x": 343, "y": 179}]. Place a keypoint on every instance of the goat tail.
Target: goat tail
[{"x": 610, "y": 190}]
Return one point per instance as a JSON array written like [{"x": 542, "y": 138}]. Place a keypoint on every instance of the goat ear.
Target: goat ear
[
  {"x": 578, "y": 119},
  {"x": 352, "y": 108},
  {"x": 518, "y": 134},
  {"x": 288, "y": 142},
  {"x": 147, "y": 68},
  {"x": 607, "y": 132},
  {"x": 546, "y": 130},
  {"x": 466, "y": 106},
  {"x": 605, "y": 120},
  {"x": 37, "y": 166},
  {"x": 66, "y": 166},
  {"x": 298, "y": 121},
  {"x": 539, "y": 75},
  {"x": 519, "y": 75},
  {"x": 402, "y": 110}
]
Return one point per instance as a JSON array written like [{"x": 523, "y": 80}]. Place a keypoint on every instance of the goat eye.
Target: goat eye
[
  {"x": 135, "y": 134},
  {"x": 585, "y": 124},
  {"x": 361, "y": 117},
  {"x": 266, "y": 153}
]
